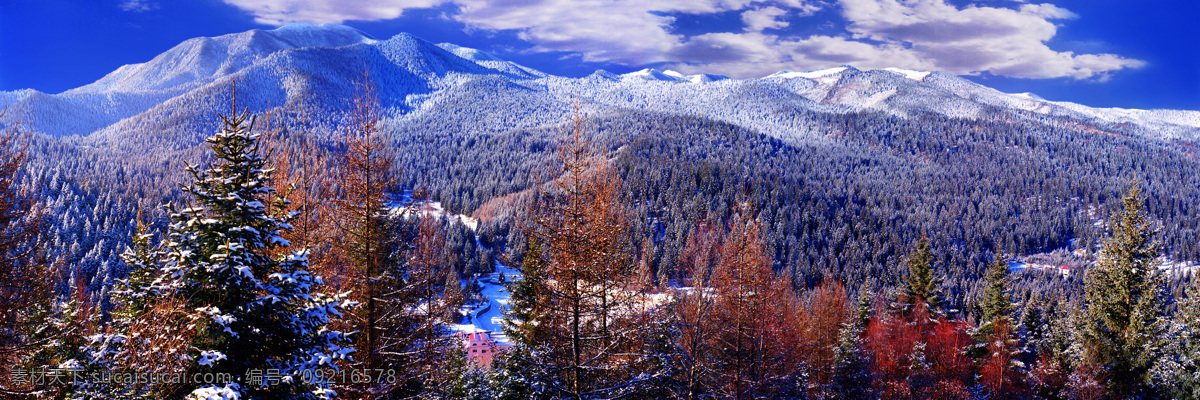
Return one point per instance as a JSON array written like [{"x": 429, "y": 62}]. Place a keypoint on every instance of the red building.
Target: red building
[{"x": 481, "y": 347}]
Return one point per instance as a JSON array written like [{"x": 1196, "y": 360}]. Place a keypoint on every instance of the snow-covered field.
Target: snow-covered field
[{"x": 489, "y": 316}]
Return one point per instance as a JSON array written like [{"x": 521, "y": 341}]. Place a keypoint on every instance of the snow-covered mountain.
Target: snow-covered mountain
[
  {"x": 177, "y": 92},
  {"x": 897, "y": 151}
]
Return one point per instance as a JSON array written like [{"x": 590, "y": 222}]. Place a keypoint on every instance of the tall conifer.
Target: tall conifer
[
  {"x": 997, "y": 346},
  {"x": 922, "y": 288},
  {"x": 1125, "y": 299},
  {"x": 249, "y": 310}
]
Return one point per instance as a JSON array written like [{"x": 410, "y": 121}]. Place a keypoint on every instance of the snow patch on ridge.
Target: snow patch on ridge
[
  {"x": 651, "y": 74},
  {"x": 910, "y": 74},
  {"x": 468, "y": 53},
  {"x": 809, "y": 74}
]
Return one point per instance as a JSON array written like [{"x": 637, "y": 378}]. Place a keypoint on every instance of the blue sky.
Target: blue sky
[{"x": 1100, "y": 52}]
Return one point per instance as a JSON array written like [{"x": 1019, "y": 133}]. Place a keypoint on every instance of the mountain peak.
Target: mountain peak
[
  {"x": 811, "y": 74},
  {"x": 908, "y": 73},
  {"x": 199, "y": 60},
  {"x": 652, "y": 74},
  {"x": 320, "y": 35}
]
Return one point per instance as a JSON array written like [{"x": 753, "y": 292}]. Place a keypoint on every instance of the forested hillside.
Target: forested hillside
[{"x": 997, "y": 245}]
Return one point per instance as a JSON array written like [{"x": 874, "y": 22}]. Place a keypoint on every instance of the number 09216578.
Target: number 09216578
[{"x": 346, "y": 375}]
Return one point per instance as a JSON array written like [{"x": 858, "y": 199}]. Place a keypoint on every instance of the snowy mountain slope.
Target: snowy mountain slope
[
  {"x": 407, "y": 71},
  {"x": 173, "y": 96},
  {"x": 135, "y": 88},
  {"x": 292, "y": 56},
  {"x": 491, "y": 61},
  {"x": 74, "y": 113},
  {"x": 476, "y": 128},
  {"x": 198, "y": 61},
  {"x": 762, "y": 106}
]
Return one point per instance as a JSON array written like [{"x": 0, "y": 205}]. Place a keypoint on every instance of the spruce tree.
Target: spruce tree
[
  {"x": 525, "y": 310},
  {"x": 455, "y": 297},
  {"x": 852, "y": 364},
  {"x": 1125, "y": 299},
  {"x": 996, "y": 306},
  {"x": 110, "y": 350},
  {"x": 1177, "y": 373},
  {"x": 136, "y": 291},
  {"x": 63, "y": 345},
  {"x": 997, "y": 347},
  {"x": 922, "y": 288},
  {"x": 250, "y": 311},
  {"x": 520, "y": 376}
]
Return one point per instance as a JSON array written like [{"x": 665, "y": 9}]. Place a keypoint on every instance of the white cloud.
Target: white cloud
[
  {"x": 978, "y": 39},
  {"x": 764, "y": 18},
  {"x": 632, "y": 32},
  {"x": 911, "y": 34},
  {"x": 802, "y": 8},
  {"x": 625, "y": 31},
  {"x": 279, "y": 12},
  {"x": 1048, "y": 11},
  {"x": 754, "y": 54}
]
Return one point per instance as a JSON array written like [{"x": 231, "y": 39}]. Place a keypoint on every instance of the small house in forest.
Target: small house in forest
[{"x": 481, "y": 347}]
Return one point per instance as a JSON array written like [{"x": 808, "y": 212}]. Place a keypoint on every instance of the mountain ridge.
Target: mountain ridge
[{"x": 409, "y": 70}]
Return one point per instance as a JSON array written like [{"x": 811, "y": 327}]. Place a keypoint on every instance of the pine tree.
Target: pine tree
[
  {"x": 585, "y": 298},
  {"x": 364, "y": 247},
  {"x": 455, "y": 298},
  {"x": 119, "y": 347},
  {"x": 922, "y": 289},
  {"x": 525, "y": 311},
  {"x": 1125, "y": 299},
  {"x": 248, "y": 310},
  {"x": 470, "y": 382},
  {"x": 520, "y": 375},
  {"x": 298, "y": 161},
  {"x": 63, "y": 345},
  {"x": 1046, "y": 334},
  {"x": 852, "y": 374},
  {"x": 996, "y": 306},
  {"x": 136, "y": 291},
  {"x": 997, "y": 346},
  {"x": 1177, "y": 373},
  {"x": 749, "y": 301},
  {"x": 694, "y": 341},
  {"x": 428, "y": 344},
  {"x": 391, "y": 267},
  {"x": 920, "y": 375}
]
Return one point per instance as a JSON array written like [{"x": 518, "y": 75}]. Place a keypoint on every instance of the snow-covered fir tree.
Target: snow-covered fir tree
[
  {"x": 852, "y": 364},
  {"x": 108, "y": 350},
  {"x": 1177, "y": 373},
  {"x": 250, "y": 312}
]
